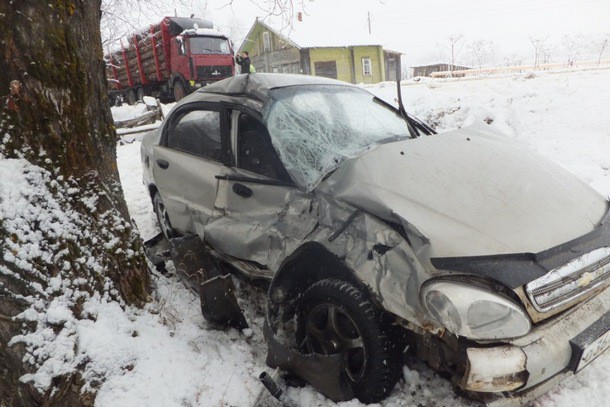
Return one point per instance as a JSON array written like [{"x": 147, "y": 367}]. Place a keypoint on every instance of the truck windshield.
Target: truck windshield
[
  {"x": 209, "y": 45},
  {"x": 316, "y": 128}
]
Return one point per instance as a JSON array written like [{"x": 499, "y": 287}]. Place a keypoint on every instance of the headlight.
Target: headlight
[{"x": 474, "y": 312}]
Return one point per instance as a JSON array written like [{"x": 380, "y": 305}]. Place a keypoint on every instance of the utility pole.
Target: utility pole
[{"x": 368, "y": 20}]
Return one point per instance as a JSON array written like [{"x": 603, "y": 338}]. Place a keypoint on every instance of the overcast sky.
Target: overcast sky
[{"x": 420, "y": 28}]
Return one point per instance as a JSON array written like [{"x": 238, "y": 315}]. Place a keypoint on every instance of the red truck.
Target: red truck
[{"x": 169, "y": 61}]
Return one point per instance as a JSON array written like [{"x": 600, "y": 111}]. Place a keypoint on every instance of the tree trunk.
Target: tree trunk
[{"x": 64, "y": 231}]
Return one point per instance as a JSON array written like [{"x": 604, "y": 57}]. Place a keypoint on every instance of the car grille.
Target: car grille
[
  {"x": 213, "y": 73},
  {"x": 570, "y": 282}
]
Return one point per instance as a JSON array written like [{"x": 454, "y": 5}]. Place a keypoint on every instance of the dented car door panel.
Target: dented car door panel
[{"x": 259, "y": 222}]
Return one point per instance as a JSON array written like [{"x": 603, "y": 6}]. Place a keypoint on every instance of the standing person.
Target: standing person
[
  {"x": 11, "y": 100},
  {"x": 244, "y": 62}
]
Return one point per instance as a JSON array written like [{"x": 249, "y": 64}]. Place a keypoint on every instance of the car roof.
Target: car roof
[{"x": 258, "y": 85}]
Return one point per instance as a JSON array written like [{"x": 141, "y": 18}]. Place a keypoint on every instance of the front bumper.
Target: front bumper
[{"x": 540, "y": 357}]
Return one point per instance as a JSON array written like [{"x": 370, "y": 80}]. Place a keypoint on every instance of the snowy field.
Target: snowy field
[{"x": 166, "y": 355}]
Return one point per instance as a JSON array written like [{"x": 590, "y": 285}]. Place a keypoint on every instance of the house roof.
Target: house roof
[{"x": 312, "y": 33}]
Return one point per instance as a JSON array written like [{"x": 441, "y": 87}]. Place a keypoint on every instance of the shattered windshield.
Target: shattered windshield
[
  {"x": 314, "y": 129},
  {"x": 209, "y": 45}
]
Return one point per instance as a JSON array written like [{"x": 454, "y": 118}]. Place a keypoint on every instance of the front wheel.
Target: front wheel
[
  {"x": 163, "y": 217},
  {"x": 335, "y": 317},
  {"x": 179, "y": 92}
]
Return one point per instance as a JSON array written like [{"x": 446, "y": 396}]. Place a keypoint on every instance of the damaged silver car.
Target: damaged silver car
[{"x": 376, "y": 235}]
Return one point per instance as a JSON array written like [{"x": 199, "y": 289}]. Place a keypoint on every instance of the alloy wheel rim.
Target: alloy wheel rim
[
  {"x": 330, "y": 331},
  {"x": 163, "y": 219}
]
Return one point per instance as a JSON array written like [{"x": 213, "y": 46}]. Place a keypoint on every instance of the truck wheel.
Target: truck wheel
[
  {"x": 335, "y": 317},
  {"x": 130, "y": 97},
  {"x": 163, "y": 217},
  {"x": 179, "y": 92}
]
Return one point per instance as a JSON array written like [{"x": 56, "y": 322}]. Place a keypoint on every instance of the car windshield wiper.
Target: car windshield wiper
[
  {"x": 427, "y": 130},
  {"x": 412, "y": 130}
]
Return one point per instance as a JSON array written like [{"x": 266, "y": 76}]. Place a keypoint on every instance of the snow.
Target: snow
[
  {"x": 126, "y": 112},
  {"x": 167, "y": 355}
]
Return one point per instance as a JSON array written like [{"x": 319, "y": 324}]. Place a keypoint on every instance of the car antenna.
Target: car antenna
[{"x": 401, "y": 108}]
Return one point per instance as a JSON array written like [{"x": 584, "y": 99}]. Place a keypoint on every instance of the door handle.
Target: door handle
[
  {"x": 162, "y": 163},
  {"x": 242, "y": 190}
]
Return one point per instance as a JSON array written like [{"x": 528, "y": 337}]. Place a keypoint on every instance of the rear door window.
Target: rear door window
[{"x": 197, "y": 132}]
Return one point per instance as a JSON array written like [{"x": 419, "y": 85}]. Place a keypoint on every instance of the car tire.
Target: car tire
[
  {"x": 178, "y": 90},
  {"x": 163, "y": 217},
  {"x": 335, "y": 317}
]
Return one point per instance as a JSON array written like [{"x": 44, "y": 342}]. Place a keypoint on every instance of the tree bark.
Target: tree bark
[{"x": 63, "y": 137}]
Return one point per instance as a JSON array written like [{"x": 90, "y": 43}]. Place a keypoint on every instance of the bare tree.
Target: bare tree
[
  {"x": 454, "y": 48},
  {"x": 480, "y": 50},
  {"x": 513, "y": 60},
  {"x": 406, "y": 72},
  {"x": 68, "y": 238},
  {"x": 601, "y": 46},
  {"x": 234, "y": 28},
  {"x": 284, "y": 10},
  {"x": 122, "y": 17},
  {"x": 540, "y": 47},
  {"x": 573, "y": 45},
  {"x": 548, "y": 51}
]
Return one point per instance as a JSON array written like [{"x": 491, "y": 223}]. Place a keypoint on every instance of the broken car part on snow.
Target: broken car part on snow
[{"x": 464, "y": 247}]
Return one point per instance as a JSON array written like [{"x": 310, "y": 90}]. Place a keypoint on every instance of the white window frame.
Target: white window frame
[
  {"x": 266, "y": 41},
  {"x": 367, "y": 67}
]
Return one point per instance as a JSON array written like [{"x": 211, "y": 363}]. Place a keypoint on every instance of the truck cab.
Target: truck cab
[{"x": 201, "y": 56}]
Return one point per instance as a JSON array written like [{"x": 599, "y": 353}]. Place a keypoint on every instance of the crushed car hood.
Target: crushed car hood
[{"x": 470, "y": 193}]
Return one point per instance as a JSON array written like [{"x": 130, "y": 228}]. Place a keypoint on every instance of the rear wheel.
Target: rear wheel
[
  {"x": 335, "y": 317},
  {"x": 130, "y": 97},
  {"x": 163, "y": 217},
  {"x": 141, "y": 94},
  {"x": 179, "y": 92}
]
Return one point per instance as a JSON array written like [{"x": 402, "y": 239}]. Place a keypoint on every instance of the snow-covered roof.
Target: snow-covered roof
[
  {"x": 185, "y": 23},
  {"x": 211, "y": 32},
  {"x": 314, "y": 33}
]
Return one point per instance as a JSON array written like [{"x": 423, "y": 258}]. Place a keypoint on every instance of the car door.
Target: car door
[
  {"x": 187, "y": 161},
  {"x": 264, "y": 215}
]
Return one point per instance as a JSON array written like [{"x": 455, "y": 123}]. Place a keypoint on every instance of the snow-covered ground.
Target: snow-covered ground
[{"x": 167, "y": 355}]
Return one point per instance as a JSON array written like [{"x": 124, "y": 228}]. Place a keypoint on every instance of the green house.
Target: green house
[{"x": 304, "y": 48}]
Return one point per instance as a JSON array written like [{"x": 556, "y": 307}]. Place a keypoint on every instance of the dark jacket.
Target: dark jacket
[{"x": 244, "y": 63}]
